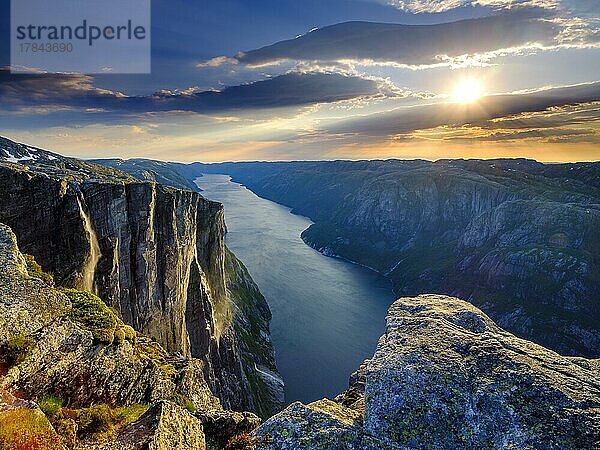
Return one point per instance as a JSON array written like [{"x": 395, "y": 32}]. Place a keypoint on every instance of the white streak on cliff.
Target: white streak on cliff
[{"x": 89, "y": 268}]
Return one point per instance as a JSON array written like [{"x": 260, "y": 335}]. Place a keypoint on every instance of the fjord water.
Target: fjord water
[{"x": 327, "y": 313}]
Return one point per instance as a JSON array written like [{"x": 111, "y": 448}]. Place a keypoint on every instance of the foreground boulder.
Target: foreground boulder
[
  {"x": 164, "y": 426},
  {"x": 221, "y": 426},
  {"x": 444, "y": 376}
]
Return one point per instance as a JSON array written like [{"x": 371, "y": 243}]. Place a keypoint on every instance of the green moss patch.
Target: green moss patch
[
  {"x": 50, "y": 405},
  {"x": 185, "y": 402},
  {"x": 36, "y": 271},
  {"x": 93, "y": 315},
  {"x": 17, "y": 349},
  {"x": 96, "y": 419}
]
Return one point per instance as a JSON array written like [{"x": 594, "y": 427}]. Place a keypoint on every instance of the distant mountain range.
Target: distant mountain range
[{"x": 517, "y": 238}]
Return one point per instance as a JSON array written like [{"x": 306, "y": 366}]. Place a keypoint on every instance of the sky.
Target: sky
[{"x": 330, "y": 79}]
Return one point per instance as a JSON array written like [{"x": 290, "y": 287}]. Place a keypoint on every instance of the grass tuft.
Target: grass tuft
[
  {"x": 93, "y": 314},
  {"x": 245, "y": 441},
  {"x": 96, "y": 419},
  {"x": 17, "y": 349}
]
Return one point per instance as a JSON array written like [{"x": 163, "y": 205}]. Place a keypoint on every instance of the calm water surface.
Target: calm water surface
[{"x": 327, "y": 313}]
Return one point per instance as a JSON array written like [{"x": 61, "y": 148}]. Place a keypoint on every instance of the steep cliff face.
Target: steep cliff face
[
  {"x": 101, "y": 384},
  {"x": 444, "y": 376},
  {"x": 251, "y": 323},
  {"x": 154, "y": 253},
  {"x": 66, "y": 359},
  {"x": 517, "y": 238}
]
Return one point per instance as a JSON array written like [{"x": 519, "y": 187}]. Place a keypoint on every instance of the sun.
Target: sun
[{"x": 467, "y": 90}]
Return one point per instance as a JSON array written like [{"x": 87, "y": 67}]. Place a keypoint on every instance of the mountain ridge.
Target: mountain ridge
[{"x": 443, "y": 376}]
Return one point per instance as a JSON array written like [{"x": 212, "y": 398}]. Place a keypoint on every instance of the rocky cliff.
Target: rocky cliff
[
  {"x": 444, "y": 376},
  {"x": 154, "y": 253},
  {"x": 101, "y": 384},
  {"x": 517, "y": 238}
]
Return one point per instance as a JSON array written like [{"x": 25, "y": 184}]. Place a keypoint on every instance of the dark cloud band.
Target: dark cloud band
[
  {"x": 77, "y": 91},
  {"x": 410, "y": 44},
  {"x": 406, "y": 120}
]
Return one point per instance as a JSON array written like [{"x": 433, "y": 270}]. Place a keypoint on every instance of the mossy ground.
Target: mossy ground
[
  {"x": 245, "y": 441},
  {"x": 26, "y": 429}
]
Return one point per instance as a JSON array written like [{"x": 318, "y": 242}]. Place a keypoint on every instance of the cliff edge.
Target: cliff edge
[
  {"x": 153, "y": 253},
  {"x": 73, "y": 375},
  {"x": 444, "y": 376}
]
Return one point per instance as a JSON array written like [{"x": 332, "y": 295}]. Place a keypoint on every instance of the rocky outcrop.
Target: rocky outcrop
[
  {"x": 164, "y": 426},
  {"x": 154, "y": 253},
  {"x": 516, "y": 238},
  {"x": 48, "y": 352},
  {"x": 444, "y": 376},
  {"x": 220, "y": 426},
  {"x": 64, "y": 359}
]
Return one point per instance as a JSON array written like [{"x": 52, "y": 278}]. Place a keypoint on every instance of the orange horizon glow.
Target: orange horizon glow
[{"x": 186, "y": 149}]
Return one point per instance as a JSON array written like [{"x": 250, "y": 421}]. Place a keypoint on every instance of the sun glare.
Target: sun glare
[{"x": 467, "y": 90}]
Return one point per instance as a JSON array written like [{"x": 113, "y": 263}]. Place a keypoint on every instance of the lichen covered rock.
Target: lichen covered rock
[
  {"x": 164, "y": 426},
  {"x": 444, "y": 376},
  {"x": 320, "y": 425}
]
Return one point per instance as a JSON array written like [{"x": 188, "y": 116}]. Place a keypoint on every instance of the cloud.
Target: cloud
[
  {"x": 576, "y": 7},
  {"x": 438, "y": 6},
  {"x": 217, "y": 62},
  {"x": 77, "y": 93},
  {"x": 573, "y": 109},
  {"x": 412, "y": 44}
]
